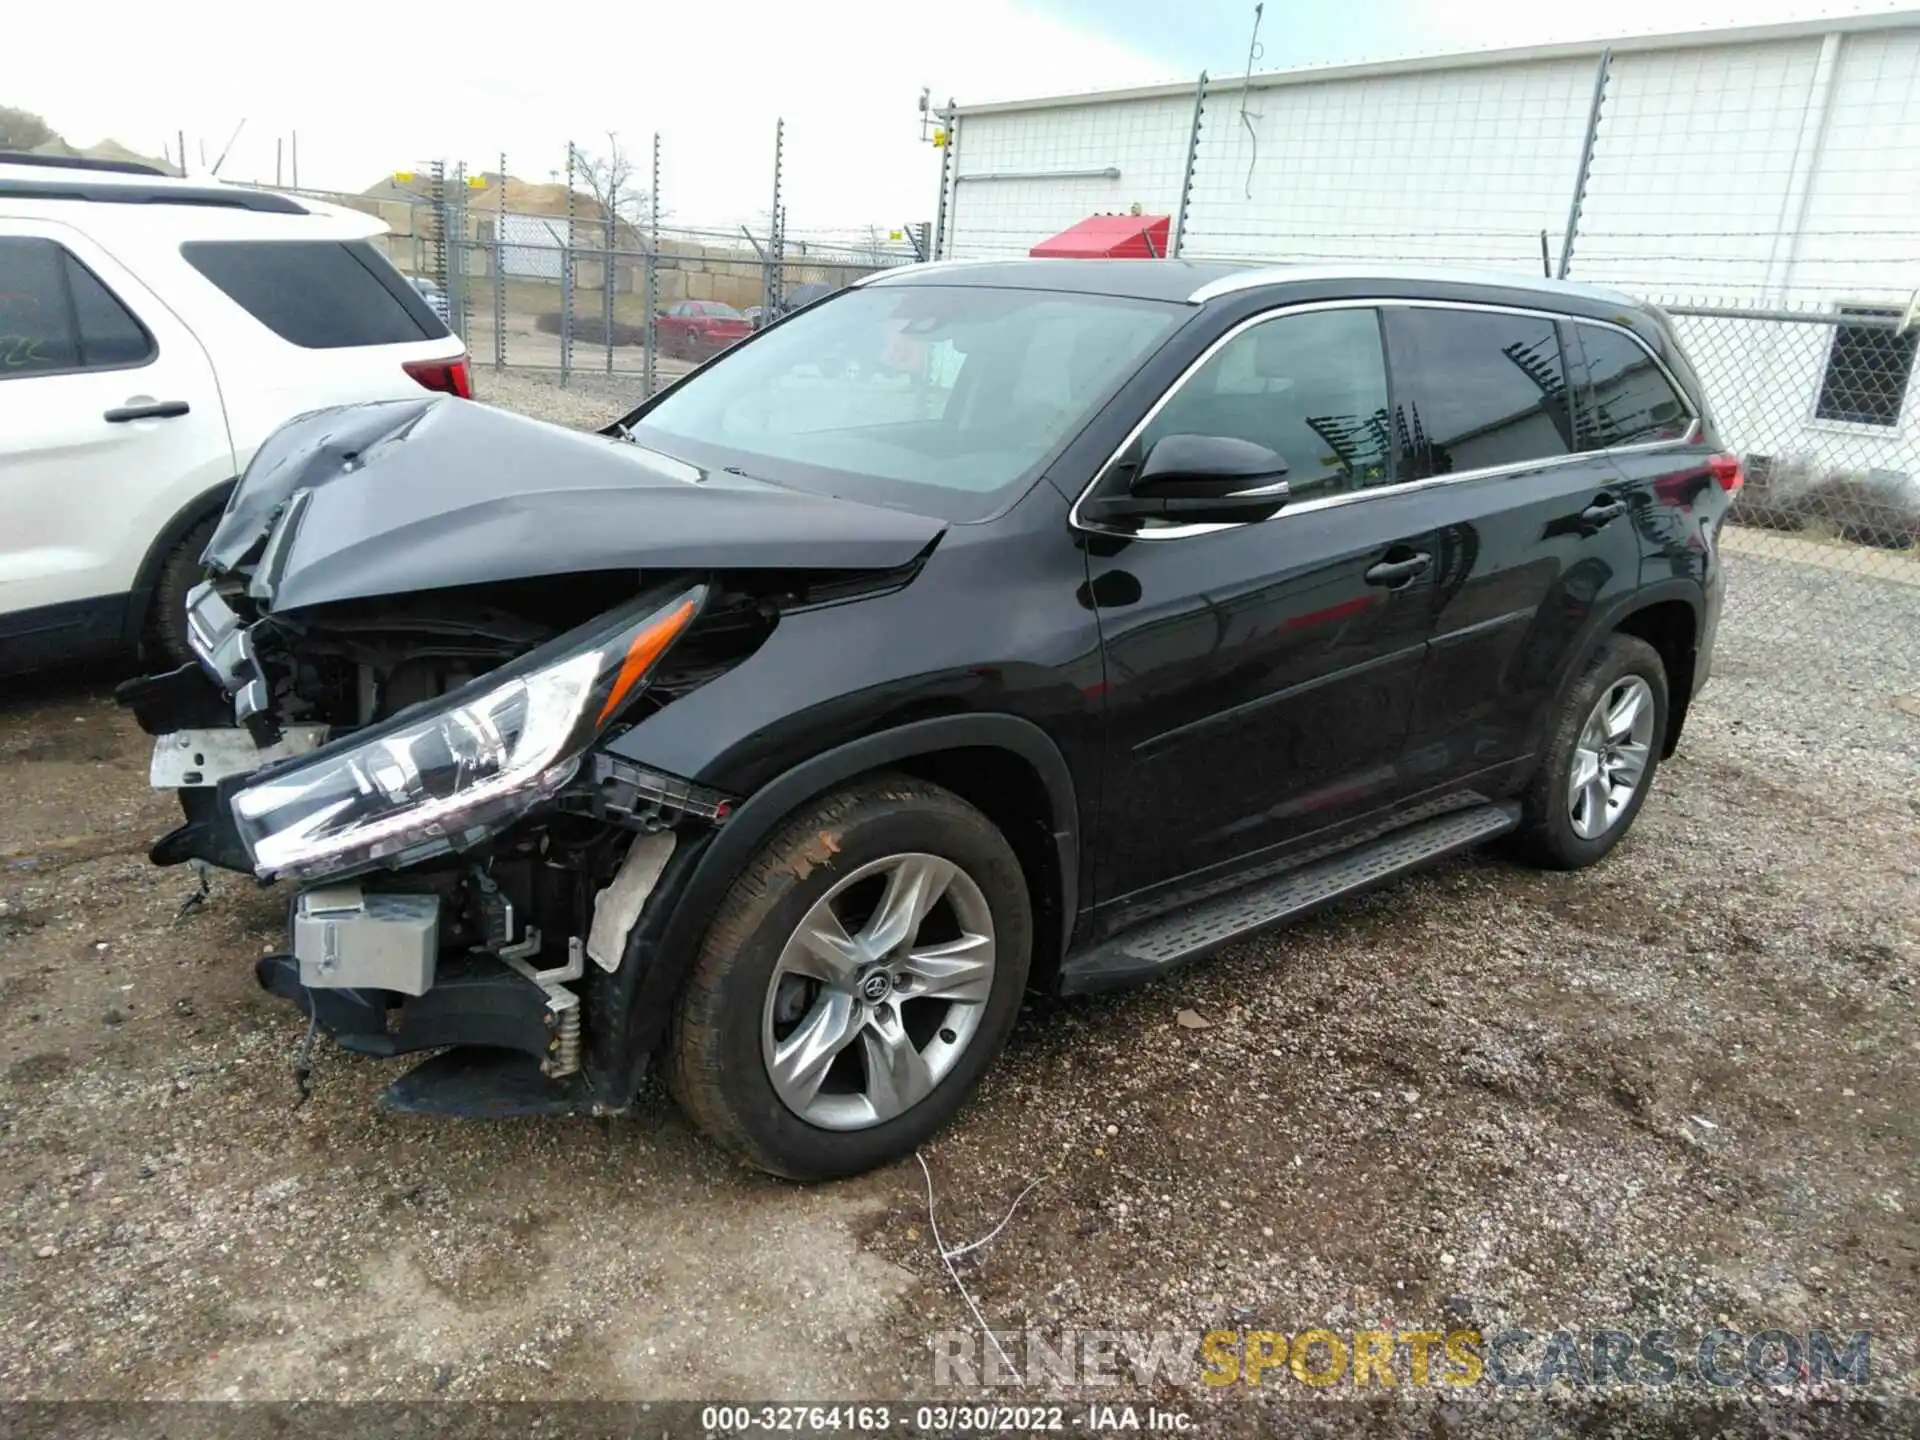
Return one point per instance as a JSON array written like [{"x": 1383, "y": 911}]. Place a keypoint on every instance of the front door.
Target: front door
[{"x": 1260, "y": 678}]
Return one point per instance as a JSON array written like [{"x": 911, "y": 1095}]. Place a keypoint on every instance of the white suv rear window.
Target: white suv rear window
[{"x": 318, "y": 294}]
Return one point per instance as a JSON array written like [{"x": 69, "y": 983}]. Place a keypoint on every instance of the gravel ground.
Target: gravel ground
[{"x": 1676, "y": 1090}]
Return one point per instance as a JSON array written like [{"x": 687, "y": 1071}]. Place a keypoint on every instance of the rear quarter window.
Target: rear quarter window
[
  {"x": 318, "y": 294},
  {"x": 1625, "y": 399}
]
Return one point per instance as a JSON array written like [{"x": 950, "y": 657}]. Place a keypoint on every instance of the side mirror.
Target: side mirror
[{"x": 1202, "y": 479}]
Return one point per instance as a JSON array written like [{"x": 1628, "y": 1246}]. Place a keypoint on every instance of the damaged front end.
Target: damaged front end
[{"x": 428, "y": 766}]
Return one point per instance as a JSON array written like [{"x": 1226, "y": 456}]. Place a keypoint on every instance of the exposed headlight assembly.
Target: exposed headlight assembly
[{"x": 447, "y": 775}]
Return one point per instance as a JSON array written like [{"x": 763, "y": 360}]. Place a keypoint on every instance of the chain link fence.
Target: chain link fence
[
  {"x": 579, "y": 278},
  {"x": 1813, "y": 401},
  {"x": 1765, "y": 188}
]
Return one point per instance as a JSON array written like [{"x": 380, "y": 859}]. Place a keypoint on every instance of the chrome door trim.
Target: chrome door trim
[{"x": 1381, "y": 492}]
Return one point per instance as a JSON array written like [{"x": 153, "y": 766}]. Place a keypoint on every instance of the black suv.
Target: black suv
[{"x": 984, "y": 626}]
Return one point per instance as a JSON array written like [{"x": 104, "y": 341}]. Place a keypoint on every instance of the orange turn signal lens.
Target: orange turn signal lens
[{"x": 648, "y": 644}]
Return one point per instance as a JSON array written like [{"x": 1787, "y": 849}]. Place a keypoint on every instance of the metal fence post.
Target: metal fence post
[
  {"x": 459, "y": 298},
  {"x": 1586, "y": 160},
  {"x": 946, "y": 176},
  {"x": 770, "y": 292},
  {"x": 566, "y": 279},
  {"x": 1193, "y": 159},
  {"x": 437, "y": 231},
  {"x": 500, "y": 273},
  {"x": 606, "y": 263},
  {"x": 652, "y": 279}
]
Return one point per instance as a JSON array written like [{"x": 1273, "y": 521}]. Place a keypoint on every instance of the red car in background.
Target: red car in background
[{"x": 699, "y": 328}]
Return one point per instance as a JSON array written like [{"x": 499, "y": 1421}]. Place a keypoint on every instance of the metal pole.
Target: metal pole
[
  {"x": 1586, "y": 160},
  {"x": 437, "y": 235},
  {"x": 296, "y": 160},
  {"x": 277, "y": 144},
  {"x": 566, "y": 279},
  {"x": 1193, "y": 159},
  {"x": 946, "y": 174},
  {"x": 500, "y": 273},
  {"x": 459, "y": 301},
  {"x": 606, "y": 265},
  {"x": 652, "y": 266},
  {"x": 771, "y": 290},
  {"x": 953, "y": 204}
]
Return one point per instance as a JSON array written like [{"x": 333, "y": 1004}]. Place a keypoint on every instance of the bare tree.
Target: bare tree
[
  {"x": 22, "y": 129},
  {"x": 614, "y": 182}
]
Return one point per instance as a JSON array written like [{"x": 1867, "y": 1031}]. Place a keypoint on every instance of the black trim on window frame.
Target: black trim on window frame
[{"x": 1696, "y": 417}]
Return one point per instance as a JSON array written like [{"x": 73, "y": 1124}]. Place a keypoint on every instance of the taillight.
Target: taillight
[
  {"x": 1727, "y": 472},
  {"x": 449, "y": 377}
]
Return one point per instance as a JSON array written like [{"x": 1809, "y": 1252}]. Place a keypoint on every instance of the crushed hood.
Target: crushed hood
[{"x": 380, "y": 499}]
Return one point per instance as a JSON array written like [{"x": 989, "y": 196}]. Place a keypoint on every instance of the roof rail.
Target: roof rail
[
  {"x": 225, "y": 197},
  {"x": 79, "y": 162}
]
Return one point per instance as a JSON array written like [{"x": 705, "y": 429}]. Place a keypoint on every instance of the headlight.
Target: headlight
[{"x": 448, "y": 779}]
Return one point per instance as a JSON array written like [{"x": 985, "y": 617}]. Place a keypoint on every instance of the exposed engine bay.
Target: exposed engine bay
[{"x": 430, "y": 763}]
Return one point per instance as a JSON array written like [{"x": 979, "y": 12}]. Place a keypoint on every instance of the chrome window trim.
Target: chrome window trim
[
  {"x": 1379, "y": 492},
  {"x": 1258, "y": 275}
]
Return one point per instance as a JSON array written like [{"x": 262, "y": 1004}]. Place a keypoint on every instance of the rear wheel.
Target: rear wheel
[
  {"x": 179, "y": 573},
  {"x": 859, "y": 977},
  {"x": 1603, "y": 748}
]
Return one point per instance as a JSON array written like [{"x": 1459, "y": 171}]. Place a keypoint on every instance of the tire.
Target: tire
[
  {"x": 167, "y": 618},
  {"x": 742, "y": 1001},
  {"x": 1551, "y": 827}
]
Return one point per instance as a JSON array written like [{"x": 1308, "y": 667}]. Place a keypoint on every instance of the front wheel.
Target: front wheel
[
  {"x": 1603, "y": 747},
  {"x": 857, "y": 980},
  {"x": 179, "y": 573}
]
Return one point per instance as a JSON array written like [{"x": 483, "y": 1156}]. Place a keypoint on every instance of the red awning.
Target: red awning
[{"x": 1108, "y": 237}]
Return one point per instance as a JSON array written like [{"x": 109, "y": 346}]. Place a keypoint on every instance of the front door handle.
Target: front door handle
[
  {"x": 1395, "y": 573},
  {"x": 1601, "y": 511},
  {"x": 152, "y": 410}
]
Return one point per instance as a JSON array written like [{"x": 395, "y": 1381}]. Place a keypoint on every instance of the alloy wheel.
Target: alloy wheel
[
  {"x": 1610, "y": 757},
  {"x": 878, "y": 992}
]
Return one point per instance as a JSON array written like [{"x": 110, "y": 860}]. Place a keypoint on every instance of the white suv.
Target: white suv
[{"x": 153, "y": 331}]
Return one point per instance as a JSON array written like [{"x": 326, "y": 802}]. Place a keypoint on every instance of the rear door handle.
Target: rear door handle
[
  {"x": 152, "y": 410},
  {"x": 1395, "y": 573},
  {"x": 1601, "y": 511}
]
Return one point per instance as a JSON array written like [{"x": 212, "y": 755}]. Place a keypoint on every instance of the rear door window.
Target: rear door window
[
  {"x": 318, "y": 294},
  {"x": 1625, "y": 398},
  {"x": 1474, "y": 389},
  {"x": 57, "y": 317}
]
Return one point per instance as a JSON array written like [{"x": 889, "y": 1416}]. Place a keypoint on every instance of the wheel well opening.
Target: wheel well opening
[
  {"x": 1669, "y": 626},
  {"x": 1010, "y": 793}
]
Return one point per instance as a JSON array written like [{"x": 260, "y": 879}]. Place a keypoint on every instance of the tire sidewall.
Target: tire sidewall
[
  {"x": 1616, "y": 660},
  {"x": 179, "y": 573},
  {"x": 955, "y": 833}
]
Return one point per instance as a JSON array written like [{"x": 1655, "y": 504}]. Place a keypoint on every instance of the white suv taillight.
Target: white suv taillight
[
  {"x": 450, "y": 377},
  {"x": 1727, "y": 473}
]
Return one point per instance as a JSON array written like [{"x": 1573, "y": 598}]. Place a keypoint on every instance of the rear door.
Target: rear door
[
  {"x": 1625, "y": 404},
  {"x": 110, "y": 423},
  {"x": 1260, "y": 677},
  {"x": 1531, "y": 535}
]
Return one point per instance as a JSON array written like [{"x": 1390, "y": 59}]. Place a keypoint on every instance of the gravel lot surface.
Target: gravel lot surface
[{"x": 1677, "y": 1090}]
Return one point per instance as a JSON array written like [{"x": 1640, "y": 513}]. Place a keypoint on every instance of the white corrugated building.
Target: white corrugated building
[{"x": 1765, "y": 167}]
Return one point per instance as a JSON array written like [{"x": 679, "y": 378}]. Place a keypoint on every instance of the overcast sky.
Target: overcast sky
[{"x": 372, "y": 86}]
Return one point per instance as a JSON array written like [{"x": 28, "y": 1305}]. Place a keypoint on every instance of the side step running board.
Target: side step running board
[{"x": 1168, "y": 941}]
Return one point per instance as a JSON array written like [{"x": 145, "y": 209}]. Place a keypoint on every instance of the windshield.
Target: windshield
[{"x": 935, "y": 398}]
